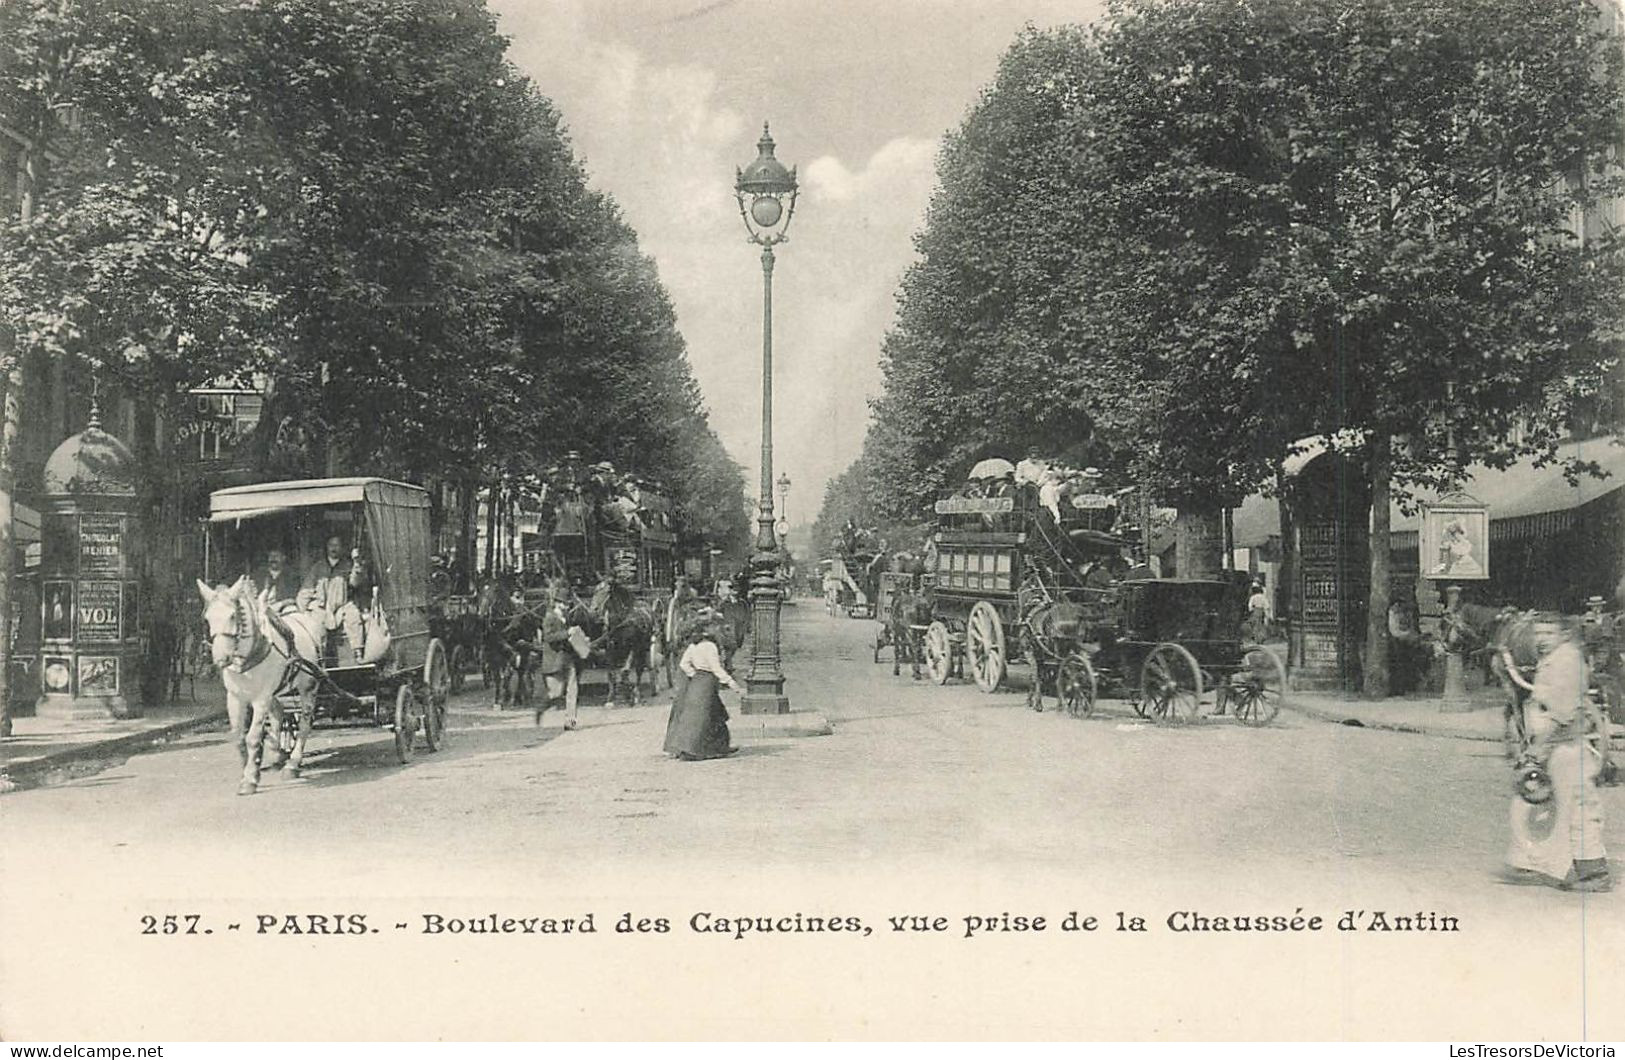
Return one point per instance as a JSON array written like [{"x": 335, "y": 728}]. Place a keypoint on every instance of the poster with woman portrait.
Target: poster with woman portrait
[
  {"x": 1456, "y": 542},
  {"x": 56, "y": 610}
]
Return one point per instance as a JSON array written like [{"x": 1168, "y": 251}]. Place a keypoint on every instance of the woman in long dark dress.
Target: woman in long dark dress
[{"x": 698, "y": 728}]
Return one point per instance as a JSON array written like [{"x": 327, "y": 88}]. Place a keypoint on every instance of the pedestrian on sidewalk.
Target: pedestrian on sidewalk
[
  {"x": 698, "y": 727},
  {"x": 1558, "y": 841}
]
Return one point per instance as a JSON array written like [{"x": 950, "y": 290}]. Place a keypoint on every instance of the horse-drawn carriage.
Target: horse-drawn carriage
[
  {"x": 455, "y": 621},
  {"x": 904, "y": 616},
  {"x": 1011, "y": 578},
  {"x": 291, "y": 662}
]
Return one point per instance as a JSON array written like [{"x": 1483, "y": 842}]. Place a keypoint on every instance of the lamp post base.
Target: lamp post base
[
  {"x": 763, "y": 701},
  {"x": 764, "y": 709},
  {"x": 1455, "y": 699}
]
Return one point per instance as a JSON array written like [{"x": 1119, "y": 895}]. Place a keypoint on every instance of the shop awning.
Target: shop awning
[{"x": 1517, "y": 492}]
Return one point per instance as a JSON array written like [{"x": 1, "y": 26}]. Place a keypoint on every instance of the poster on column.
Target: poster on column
[
  {"x": 98, "y": 613},
  {"x": 101, "y": 544}
]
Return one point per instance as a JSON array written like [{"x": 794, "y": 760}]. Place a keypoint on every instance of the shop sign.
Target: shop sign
[
  {"x": 624, "y": 562},
  {"x": 975, "y": 505}
]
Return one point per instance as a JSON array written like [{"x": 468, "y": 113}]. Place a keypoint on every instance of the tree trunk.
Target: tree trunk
[
  {"x": 11, "y": 399},
  {"x": 467, "y": 514},
  {"x": 1375, "y": 676},
  {"x": 1287, "y": 576},
  {"x": 11, "y": 386},
  {"x": 1198, "y": 542},
  {"x": 491, "y": 528}
]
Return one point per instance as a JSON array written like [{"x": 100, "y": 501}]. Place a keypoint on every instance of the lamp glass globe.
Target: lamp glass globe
[{"x": 766, "y": 211}]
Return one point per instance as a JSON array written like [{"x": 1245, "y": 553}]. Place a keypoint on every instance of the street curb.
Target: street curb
[
  {"x": 1335, "y": 718},
  {"x": 796, "y": 723},
  {"x": 20, "y": 775}
]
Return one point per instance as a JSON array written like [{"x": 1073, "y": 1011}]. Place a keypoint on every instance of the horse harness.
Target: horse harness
[{"x": 293, "y": 664}]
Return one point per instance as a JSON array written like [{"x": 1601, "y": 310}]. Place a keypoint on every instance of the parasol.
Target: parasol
[{"x": 993, "y": 467}]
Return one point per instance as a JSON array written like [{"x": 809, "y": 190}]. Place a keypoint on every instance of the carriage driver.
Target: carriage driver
[
  {"x": 330, "y": 588},
  {"x": 278, "y": 578}
]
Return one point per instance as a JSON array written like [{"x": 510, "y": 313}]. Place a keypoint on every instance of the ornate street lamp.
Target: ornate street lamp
[{"x": 766, "y": 192}]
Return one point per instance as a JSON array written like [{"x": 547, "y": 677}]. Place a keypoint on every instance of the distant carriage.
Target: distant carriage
[
  {"x": 1011, "y": 580},
  {"x": 408, "y": 687}
]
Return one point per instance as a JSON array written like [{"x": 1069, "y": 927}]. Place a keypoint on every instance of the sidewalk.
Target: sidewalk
[
  {"x": 1419, "y": 713},
  {"x": 39, "y": 746}
]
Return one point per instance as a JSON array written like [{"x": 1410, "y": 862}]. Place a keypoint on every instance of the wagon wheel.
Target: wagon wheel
[
  {"x": 984, "y": 642},
  {"x": 407, "y": 718},
  {"x": 437, "y": 683},
  {"x": 455, "y": 668},
  {"x": 1256, "y": 688},
  {"x": 939, "y": 653},
  {"x": 1076, "y": 685},
  {"x": 1170, "y": 684}
]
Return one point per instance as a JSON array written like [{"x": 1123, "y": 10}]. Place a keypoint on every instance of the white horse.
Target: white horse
[{"x": 254, "y": 660}]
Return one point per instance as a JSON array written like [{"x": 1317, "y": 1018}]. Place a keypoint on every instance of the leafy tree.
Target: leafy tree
[
  {"x": 1208, "y": 228},
  {"x": 1371, "y": 206},
  {"x": 982, "y": 358},
  {"x": 362, "y": 203}
]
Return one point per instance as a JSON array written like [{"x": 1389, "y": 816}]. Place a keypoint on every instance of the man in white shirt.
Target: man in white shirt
[{"x": 329, "y": 589}]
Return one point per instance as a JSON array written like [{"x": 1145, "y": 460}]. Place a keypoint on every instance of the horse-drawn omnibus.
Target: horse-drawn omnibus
[
  {"x": 399, "y": 677},
  {"x": 1016, "y": 578}
]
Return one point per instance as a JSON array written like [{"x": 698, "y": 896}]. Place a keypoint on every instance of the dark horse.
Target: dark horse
[
  {"x": 736, "y": 616},
  {"x": 1054, "y": 629},
  {"x": 509, "y": 641},
  {"x": 1489, "y": 636},
  {"x": 625, "y": 626},
  {"x": 906, "y": 619},
  {"x": 1503, "y": 638}
]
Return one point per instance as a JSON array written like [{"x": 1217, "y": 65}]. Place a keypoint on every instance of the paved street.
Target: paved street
[{"x": 926, "y": 799}]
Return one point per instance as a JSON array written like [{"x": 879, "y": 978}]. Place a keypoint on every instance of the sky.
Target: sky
[{"x": 664, "y": 99}]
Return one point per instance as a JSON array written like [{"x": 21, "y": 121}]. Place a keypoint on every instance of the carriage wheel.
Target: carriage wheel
[
  {"x": 1255, "y": 690},
  {"x": 1170, "y": 684},
  {"x": 407, "y": 717},
  {"x": 456, "y": 666},
  {"x": 437, "y": 682},
  {"x": 1077, "y": 686},
  {"x": 984, "y": 642},
  {"x": 939, "y": 653}
]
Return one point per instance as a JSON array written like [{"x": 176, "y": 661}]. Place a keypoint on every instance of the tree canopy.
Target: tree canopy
[
  {"x": 363, "y": 203},
  {"x": 1199, "y": 230}
]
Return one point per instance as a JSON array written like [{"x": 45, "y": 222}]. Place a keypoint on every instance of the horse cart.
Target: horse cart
[
  {"x": 1011, "y": 579},
  {"x": 403, "y": 678},
  {"x": 903, "y": 620}
]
